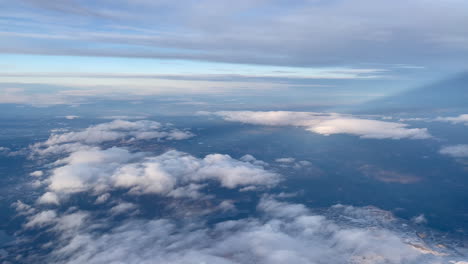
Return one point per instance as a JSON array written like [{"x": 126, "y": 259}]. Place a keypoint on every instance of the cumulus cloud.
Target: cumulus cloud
[
  {"x": 115, "y": 130},
  {"x": 49, "y": 198},
  {"x": 22, "y": 208},
  {"x": 280, "y": 233},
  {"x": 253, "y": 160},
  {"x": 461, "y": 119},
  {"x": 86, "y": 167},
  {"x": 99, "y": 171},
  {"x": 457, "y": 151},
  {"x": 41, "y": 219},
  {"x": 328, "y": 124}
]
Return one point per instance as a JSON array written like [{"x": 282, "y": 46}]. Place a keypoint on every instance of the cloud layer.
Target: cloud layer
[
  {"x": 111, "y": 205},
  {"x": 280, "y": 233},
  {"x": 265, "y": 32}
]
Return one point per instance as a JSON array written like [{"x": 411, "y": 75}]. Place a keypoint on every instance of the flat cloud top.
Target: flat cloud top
[{"x": 327, "y": 123}]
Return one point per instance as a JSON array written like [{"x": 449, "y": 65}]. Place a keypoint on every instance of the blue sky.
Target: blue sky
[{"x": 250, "y": 43}]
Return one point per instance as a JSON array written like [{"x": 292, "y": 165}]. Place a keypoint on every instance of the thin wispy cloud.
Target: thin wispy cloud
[{"x": 265, "y": 32}]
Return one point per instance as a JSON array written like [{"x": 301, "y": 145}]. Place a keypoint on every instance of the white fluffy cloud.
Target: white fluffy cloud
[
  {"x": 87, "y": 167},
  {"x": 41, "y": 219},
  {"x": 118, "y": 129},
  {"x": 281, "y": 233},
  {"x": 461, "y": 119},
  {"x": 328, "y": 124},
  {"x": 115, "y": 130},
  {"x": 99, "y": 171},
  {"x": 49, "y": 198},
  {"x": 457, "y": 151}
]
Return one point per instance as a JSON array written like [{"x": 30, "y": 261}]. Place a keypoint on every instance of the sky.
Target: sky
[{"x": 366, "y": 48}]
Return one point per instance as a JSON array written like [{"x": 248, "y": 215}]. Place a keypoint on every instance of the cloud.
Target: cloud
[
  {"x": 37, "y": 173},
  {"x": 292, "y": 163},
  {"x": 457, "y": 151},
  {"x": 100, "y": 171},
  {"x": 420, "y": 219},
  {"x": 70, "y": 222},
  {"x": 461, "y": 119},
  {"x": 366, "y": 128},
  {"x": 123, "y": 208},
  {"x": 281, "y": 232},
  {"x": 328, "y": 124},
  {"x": 4, "y": 150},
  {"x": 23, "y": 209},
  {"x": 104, "y": 132},
  {"x": 139, "y": 207},
  {"x": 86, "y": 167},
  {"x": 71, "y": 117},
  {"x": 102, "y": 198},
  {"x": 276, "y": 33},
  {"x": 21, "y": 96},
  {"x": 253, "y": 160},
  {"x": 285, "y": 160},
  {"x": 41, "y": 219},
  {"x": 49, "y": 198},
  {"x": 117, "y": 129}
]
